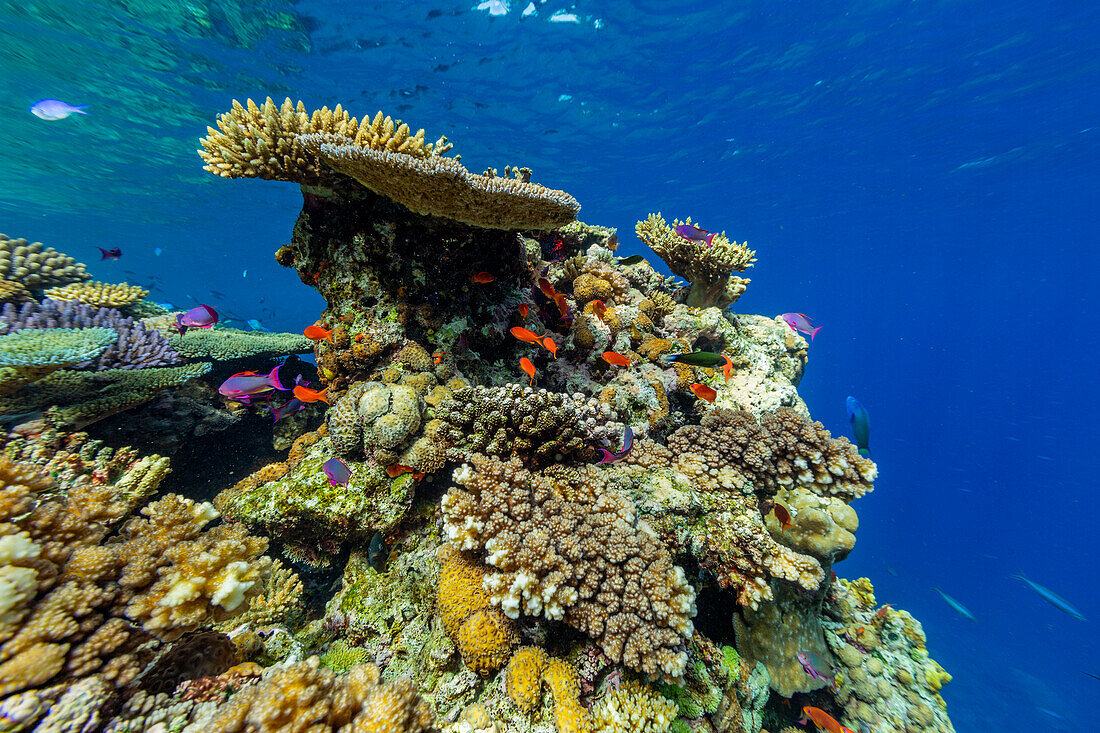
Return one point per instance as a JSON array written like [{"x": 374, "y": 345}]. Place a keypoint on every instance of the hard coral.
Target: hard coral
[
  {"x": 484, "y": 636},
  {"x": 569, "y": 549},
  {"x": 37, "y": 266},
  {"x": 97, "y": 294},
  {"x": 523, "y": 680}
]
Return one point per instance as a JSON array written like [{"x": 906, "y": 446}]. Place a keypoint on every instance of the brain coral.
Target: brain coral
[
  {"x": 376, "y": 418},
  {"x": 571, "y": 549}
]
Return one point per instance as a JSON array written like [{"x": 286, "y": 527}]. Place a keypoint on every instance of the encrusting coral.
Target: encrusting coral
[
  {"x": 707, "y": 266},
  {"x": 571, "y": 551},
  {"x": 100, "y": 295}
]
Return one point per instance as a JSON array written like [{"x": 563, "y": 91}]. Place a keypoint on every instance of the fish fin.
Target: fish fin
[
  {"x": 814, "y": 333},
  {"x": 273, "y": 378},
  {"x": 866, "y": 453}
]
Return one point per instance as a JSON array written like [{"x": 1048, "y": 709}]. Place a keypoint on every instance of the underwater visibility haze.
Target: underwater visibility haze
[{"x": 537, "y": 386}]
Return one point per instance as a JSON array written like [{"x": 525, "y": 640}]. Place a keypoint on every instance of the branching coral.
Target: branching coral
[
  {"x": 13, "y": 291},
  {"x": 538, "y": 426},
  {"x": 303, "y": 697},
  {"x": 708, "y": 267},
  {"x": 74, "y": 604},
  {"x": 633, "y": 708},
  {"x": 262, "y": 141},
  {"x": 97, "y": 294},
  {"x": 438, "y": 186},
  {"x": 37, "y": 266},
  {"x": 571, "y": 550},
  {"x": 30, "y": 354}
]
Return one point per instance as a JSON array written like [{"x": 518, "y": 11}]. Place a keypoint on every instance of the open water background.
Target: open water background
[{"x": 921, "y": 178}]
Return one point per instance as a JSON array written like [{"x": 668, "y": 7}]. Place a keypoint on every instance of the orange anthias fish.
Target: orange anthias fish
[
  {"x": 551, "y": 346},
  {"x": 563, "y": 307},
  {"x": 316, "y": 333},
  {"x": 615, "y": 358},
  {"x": 438, "y": 356},
  {"x": 305, "y": 394},
  {"x": 526, "y": 365},
  {"x": 523, "y": 309},
  {"x": 727, "y": 368},
  {"x": 546, "y": 288},
  {"x": 483, "y": 278},
  {"x": 395, "y": 470},
  {"x": 704, "y": 392},
  {"x": 783, "y": 516},
  {"x": 524, "y": 335},
  {"x": 824, "y": 721},
  {"x": 599, "y": 308}
]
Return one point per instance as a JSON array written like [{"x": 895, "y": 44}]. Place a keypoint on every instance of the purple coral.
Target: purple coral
[{"x": 137, "y": 347}]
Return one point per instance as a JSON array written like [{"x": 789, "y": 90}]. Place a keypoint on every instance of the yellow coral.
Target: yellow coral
[
  {"x": 523, "y": 678},
  {"x": 633, "y": 708},
  {"x": 99, "y": 294},
  {"x": 484, "y": 636},
  {"x": 529, "y": 668}
]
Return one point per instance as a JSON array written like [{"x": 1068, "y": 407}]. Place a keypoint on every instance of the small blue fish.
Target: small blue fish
[
  {"x": 378, "y": 552},
  {"x": 1052, "y": 598},
  {"x": 244, "y": 273},
  {"x": 291, "y": 407},
  {"x": 255, "y": 325},
  {"x": 55, "y": 109},
  {"x": 861, "y": 426},
  {"x": 158, "y": 251},
  {"x": 963, "y": 610}
]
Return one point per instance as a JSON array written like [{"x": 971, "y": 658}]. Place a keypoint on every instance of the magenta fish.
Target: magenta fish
[
  {"x": 815, "y": 665},
  {"x": 202, "y": 316},
  {"x": 337, "y": 471},
  {"x": 628, "y": 443},
  {"x": 695, "y": 234},
  {"x": 110, "y": 254},
  {"x": 244, "y": 386},
  {"x": 799, "y": 322},
  {"x": 291, "y": 407}
]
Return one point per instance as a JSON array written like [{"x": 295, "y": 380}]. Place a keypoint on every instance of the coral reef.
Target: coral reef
[
  {"x": 227, "y": 344},
  {"x": 97, "y": 294},
  {"x": 36, "y": 266},
  {"x": 27, "y": 355}
]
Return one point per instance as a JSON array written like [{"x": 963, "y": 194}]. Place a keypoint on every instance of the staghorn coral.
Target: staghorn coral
[
  {"x": 37, "y": 266},
  {"x": 85, "y": 397},
  {"x": 136, "y": 348},
  {"x": 538, "y": 426},
  {"x": 303, "y": 697},
  {"x": 29, "y": 354},
  {"x": 483, "y": 634},
  {"x": 226, "y": 344},
  {"x": 438, "y": 186},
  {"x": 570, "y": 550},
  {"x": 732, "y": 450},
  {"x": 75, "y": 605},
  {"x": 98, "y": 294},
  {"x": 263, "y": 141},
  {"x": 708, "y": 267}
]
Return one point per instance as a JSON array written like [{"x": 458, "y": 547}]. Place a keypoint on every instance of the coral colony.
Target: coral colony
[{"x": 528, "y": 486}]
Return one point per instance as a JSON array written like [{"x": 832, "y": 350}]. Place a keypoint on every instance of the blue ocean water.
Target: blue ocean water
[{"x": 919, "y": 177}]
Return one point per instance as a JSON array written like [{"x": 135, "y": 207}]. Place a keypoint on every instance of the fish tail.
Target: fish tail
[
  {"x": 814, "y": 333},
  {"x": 668, "y": 358},
  {"x": 323, "y": 395},
  {"x": 79, "y": 109},
  {"x": 273, "y": 379}
]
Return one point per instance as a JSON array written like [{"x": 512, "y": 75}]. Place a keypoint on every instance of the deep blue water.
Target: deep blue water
[{"x": 919, "y": 177}]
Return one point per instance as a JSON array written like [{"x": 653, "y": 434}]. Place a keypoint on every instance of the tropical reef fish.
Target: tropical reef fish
[
  {"x": 696, "y": 358},
  {"x": 563, "y": 306},
  {"x": 337, "y": 471},
  {"x": 824, "y": 721},
  {"x": 599, "y": 308},
  {"x": 816, "y": 666},
  {"x": 483, "y": 278},
  {"x": 55, "y": 109},
  {"x": 960, "y": 608},
  {"x": 110, "y": 254},
  {"x": 1052, "y": 598},
  {"x": 378, "y": 552},
  {"x": 525, "y": 335},
  {"x": 704, "y": 392},
  {"x": 316, "y": 333},
  {"x": 307, "y": 394},
  {"x": 551, "y": 346},
  {"x": 861, "y": 425},
  {"x": 523, "y": 310},
  {"x": 695, "y": 234},
  {"x": 631, "y": 260},
  {"x": 396, "y": 469},
  {"x": 546, "y": 288},
  {"x": 628, "y": 443},
  {"x": 247, "y": 384},
  {"x": 528, "y": 368},
  {"x": 615, "y": 358},
  {"x": 158, "y": 251},
  {"x": 201, "y": 316},
  {"x": 255, "y": 325},
  {"x": 291, "y": 407},
  {"x": 783, "y": 516},
  {"x": 799, "y": 322}
]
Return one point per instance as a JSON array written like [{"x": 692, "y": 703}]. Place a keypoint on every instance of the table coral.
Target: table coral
[
  {"x": 226, "y": 344},
  {"x": 570, "y": 550},
  {"x": 29, "y": 354},
  {"x": 539, "y": 427},
  {"x": 707, "y": 266},
  {"x": 98, "y": 294},
  {"x": 37, "y": 266}
]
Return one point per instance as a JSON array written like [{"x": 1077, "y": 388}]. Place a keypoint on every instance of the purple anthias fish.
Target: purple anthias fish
[
  {"x": 695, "y": 234},
  {"x": 290, "y": 407},
  {"x": 55, "y": 109},
  {"x": 337, "y": 471},
  {"x": 110, "y": 254},
  {"x": 800, "y": 323},
  {"x": 815, "y": 665},
  {"x": 628, "y": 443},
  {"x": 202, "y": 316},
  {"x": 245, "y": 386}
]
